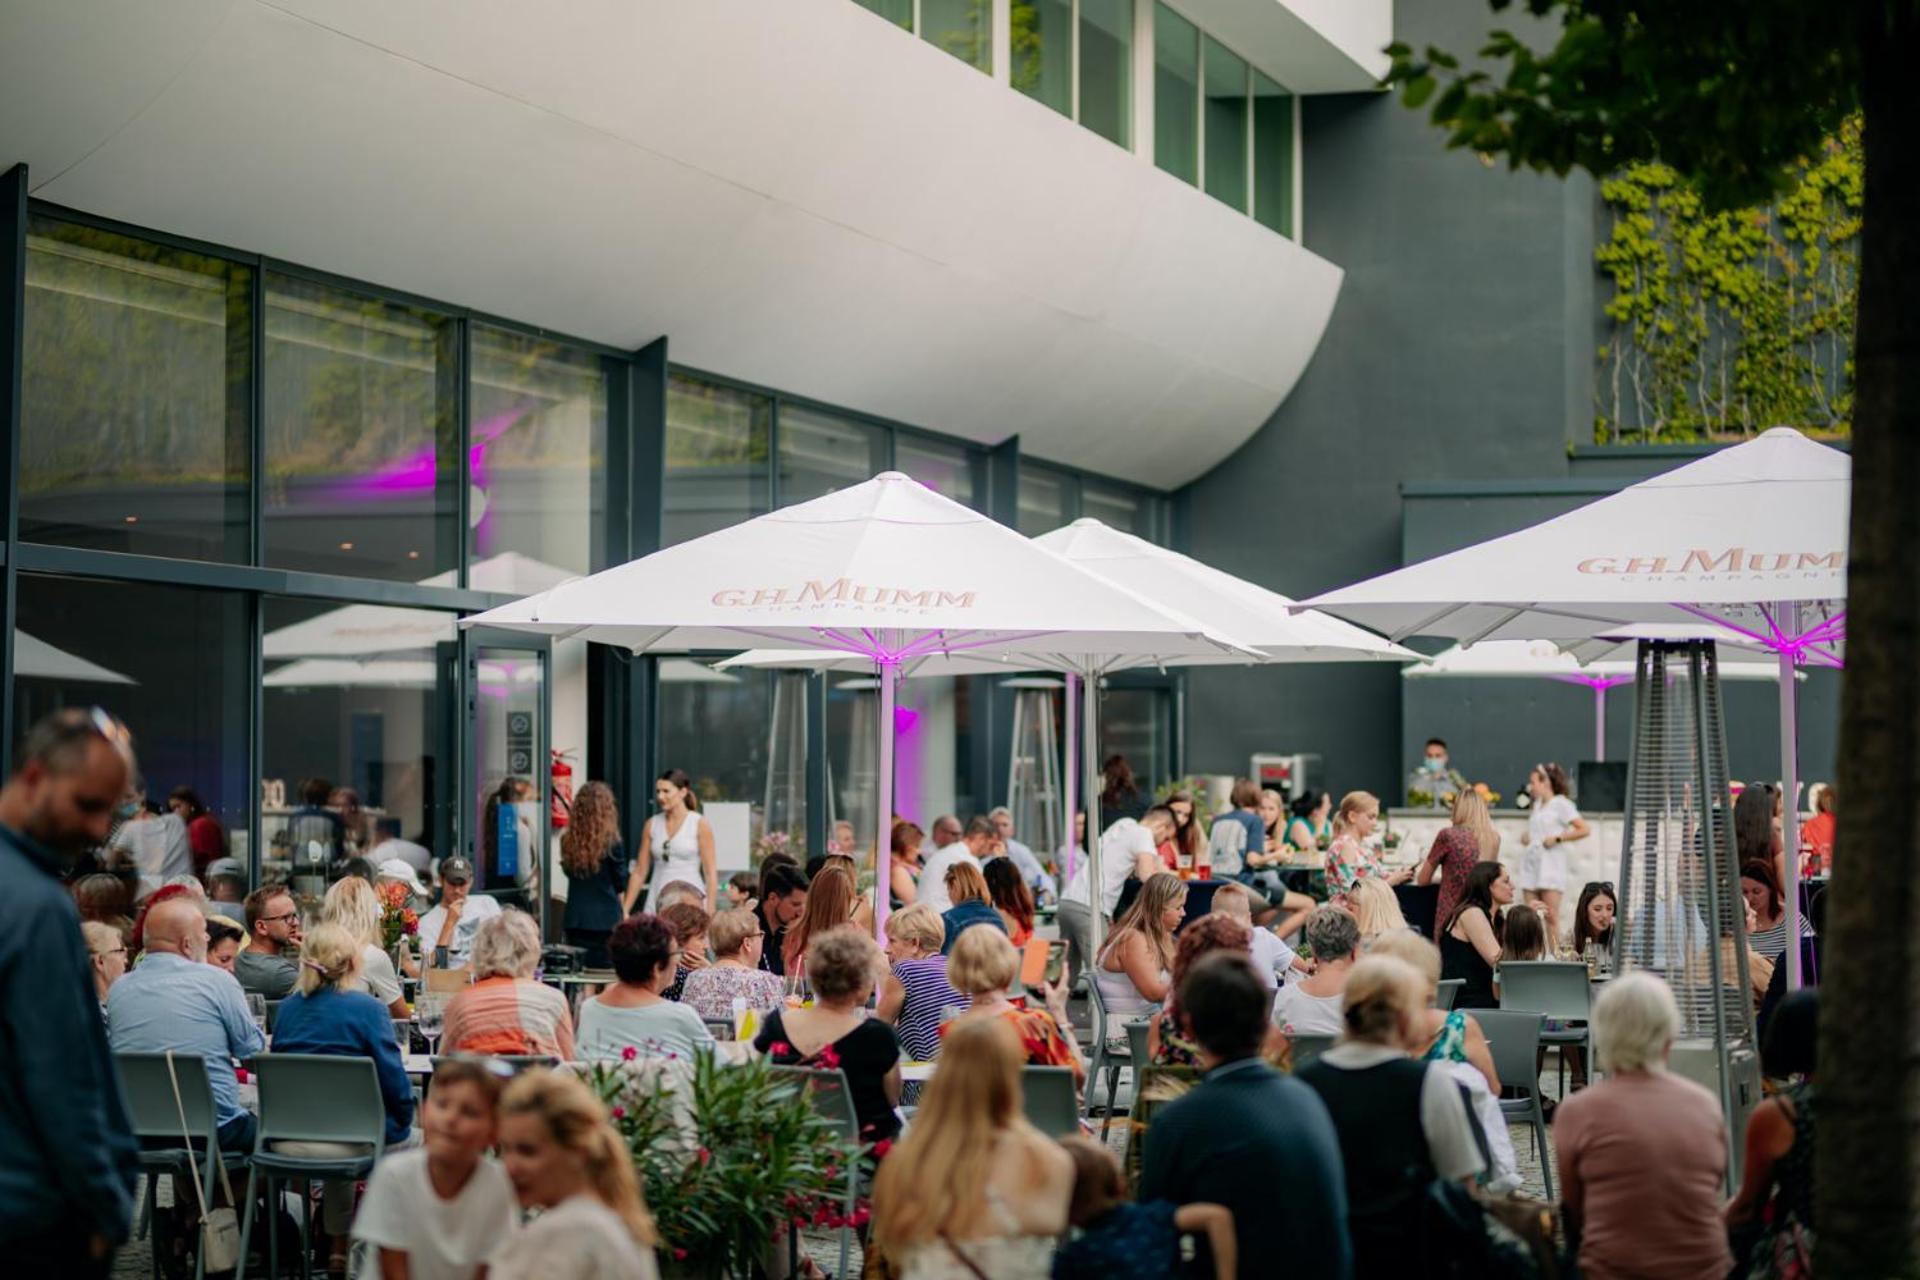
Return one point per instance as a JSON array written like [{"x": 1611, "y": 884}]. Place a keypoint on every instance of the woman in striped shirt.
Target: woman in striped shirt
[
  {"x": 1760, "y": 886},
  {"x": 915, "y": 988}
]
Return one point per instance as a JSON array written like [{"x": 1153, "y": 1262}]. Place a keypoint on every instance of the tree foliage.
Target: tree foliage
[{"x": 1727, "y": 323}]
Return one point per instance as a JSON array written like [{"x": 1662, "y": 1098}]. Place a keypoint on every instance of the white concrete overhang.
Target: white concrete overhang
[
  {"x": 797, "y": 193},
  {"x": 1310, "y": 46}
]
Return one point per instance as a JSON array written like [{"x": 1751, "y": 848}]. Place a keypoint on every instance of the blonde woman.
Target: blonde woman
[
  {"x": 1470, "y": 840},
  {"x": 973, "y": 1189},
  {"x": 982, "y": 968},
  {"x": 1134, "y": 967},
  {"x": 330, "y": 1014},
  {"x": 353, "y": 905},
  {"x": 1349, "y": 860},
  {"x": 1376, "y": 909},
  {"x": 565, "y": 1159}
]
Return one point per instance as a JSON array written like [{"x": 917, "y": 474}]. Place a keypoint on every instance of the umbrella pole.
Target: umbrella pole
[
  {"x": 883, "y": 843},
  {"x": 1600, "y": 722},
  {"x": 1068, "y": 780},
  {"x": 1090, "y": 762},
  {"x": 1790, "y": 797}
]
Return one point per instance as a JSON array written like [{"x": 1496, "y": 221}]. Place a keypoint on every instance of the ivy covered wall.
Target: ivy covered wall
[{"x": 1722, "y": 325}]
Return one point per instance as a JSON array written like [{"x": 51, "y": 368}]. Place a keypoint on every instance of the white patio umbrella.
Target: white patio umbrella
[
  {"x": 888, "y": 569},
  {"x": 1753, "y": 538},
  {"x": 35, "y": 659},
  {"x": 1544, "y": 660},
  {"x": 1264, "y": 621}
]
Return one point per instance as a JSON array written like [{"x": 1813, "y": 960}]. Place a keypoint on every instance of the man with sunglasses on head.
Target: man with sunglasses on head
[
  {"x": 271, "y": 963},
  {"x": 67, "y": 1155}
]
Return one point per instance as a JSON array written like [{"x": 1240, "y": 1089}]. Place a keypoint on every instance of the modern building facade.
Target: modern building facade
[{"x": 322, "y": 325}]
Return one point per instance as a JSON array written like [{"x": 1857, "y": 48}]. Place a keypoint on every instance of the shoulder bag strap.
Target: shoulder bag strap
[
  {"x": 953, "y": 1247},
  {"x": 186, "y": 1134}
]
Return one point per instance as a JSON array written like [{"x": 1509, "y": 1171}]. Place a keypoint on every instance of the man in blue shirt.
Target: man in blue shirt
[
  {"x": 67, "y": 1166},
  {"x": 173, "y": 999}
]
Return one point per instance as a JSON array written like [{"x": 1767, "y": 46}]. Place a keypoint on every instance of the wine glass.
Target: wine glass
[
  {"x": 257, "y": 1010},
  {"x": 431, "y": 1018}
]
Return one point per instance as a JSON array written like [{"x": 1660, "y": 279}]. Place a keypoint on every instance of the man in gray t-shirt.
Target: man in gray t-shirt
[{"x": 269, "y": 965}]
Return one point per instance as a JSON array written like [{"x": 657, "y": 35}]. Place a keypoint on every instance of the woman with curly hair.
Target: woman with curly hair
[
  {"x": 596, "y": 864},
  {"x": 1167, "y": 1042}
]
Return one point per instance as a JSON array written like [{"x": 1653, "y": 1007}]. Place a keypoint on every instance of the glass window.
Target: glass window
[
  {"x": 1043, "y": 500},
  {"x": 1137, "y": 723},
  {"x": 361, "y": 434},
  {"x": 537, "y": 461},
  {"x": 1272, "y": 155},
  {"x": 357, "y": 708},
  {"x": 964, "y": 28},
  {"x": 1119, "y": 508},
  {"x": 1106, "y": 69},
  {"x": 715, "y": 725},
  {"x": 898, "y": 12},
  {"x": 1226, "y": 125},
  {"x": 510, "y": 755},
  {"x": 137, "y": 382},
  {"x": 954, "y": 470},
  {"x": 1042, "y": 43},
  {"x": 820, "y": 452},
  {"x": 173, "y": 664},
  {"x": 717, "y": 443},
  {"x": 1176, "y": 94}
]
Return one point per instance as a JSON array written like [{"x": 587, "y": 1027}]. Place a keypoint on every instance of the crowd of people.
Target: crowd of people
[{"x": 1227, "y": 972}]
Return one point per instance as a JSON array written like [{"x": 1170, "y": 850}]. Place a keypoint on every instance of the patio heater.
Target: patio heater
[
  {"x": 1033, "y": 767},
  {"x": 785, "y": 802},
  {"x": 1681, "y": 915}
]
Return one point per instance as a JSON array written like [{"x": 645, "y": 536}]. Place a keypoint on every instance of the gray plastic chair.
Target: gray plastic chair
[
  {"x": 1558, "y": 989},
  {"x": 312, "y": 1098},
  {"x": 1104, "y": 1059},
  {"x": 154, "y": 1114},
  {"x": 1142, "y": 1058},
  {"x": 1307, "y": 1047},
  {"x": 1513, "y": 1037},
  {"x": 833, "y": 1102},
  {"x": 1447, "y": 992},
  {"x": 1051, "y": 1106}
]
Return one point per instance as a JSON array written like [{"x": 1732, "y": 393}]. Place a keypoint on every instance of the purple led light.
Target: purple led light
[
  {"x": 1595, "y": 682},
  {"x": 1804, "y": 647},
  {"x": 904, "y": 718}
]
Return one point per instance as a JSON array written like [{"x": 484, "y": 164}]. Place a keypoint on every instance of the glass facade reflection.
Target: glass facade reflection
[
  {"x": 1226, "y": 129},
  {"x": 717, "y": 725},
  {"x": 1106, "y": 69},
  {"x": 1042, "y": 43},
  {"x": 953, "y": 470},
  {"x": 718, "y": 443},
  {"x": 362, "y": 445},
  {"x": 1043, "y": 500},
  {"x": 1176, "y": 94},
  {"x": 964, "y": 28},
  {"x": 821, "y": 452},
  {"x": 138, "y": 378},
  {"x": 1273, "y": 109}
]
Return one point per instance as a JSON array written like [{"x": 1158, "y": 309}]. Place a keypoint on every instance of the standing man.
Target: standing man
[
  {"x": 1042, "y": 884},
  {"x": 271, "y": 963},
  {"x": 459, "y": 916},
  {"x": 67, "y": 1165},
  {"x": 973, "y": 847},
  {"x": 1129, "y": 850}
]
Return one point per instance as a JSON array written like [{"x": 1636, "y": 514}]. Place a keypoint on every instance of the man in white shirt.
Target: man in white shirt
[
  {"x": 1043, "y": 885},
  {"x": 457, "y": 918},
  {"x": 1128, "y": 850},
  {"x": 971, "y": 848}
]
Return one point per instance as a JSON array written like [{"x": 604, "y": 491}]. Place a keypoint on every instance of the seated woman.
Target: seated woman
[
  {"x": 736, "y": 938},
  {"x": 837, "y": 1033},
  {"x": 1008, "y": 894},
  {"x": 1760, "y": 886},
  {"x": 634, "y": 1013},
  {"x": 1593, "y": 920},
  {"x": 352, "y": 904},
  {"x": 1311, "y": 1006},
  {"x": 1773, "y": 1214},
  {"x": 1376, "y": 909},
  {"x": 1132, "y": 970},
  {"x": 1640, "y": 1118},
  {"x": 903, "y": 872},
  {"x": 973, "y": 1190},
  {"x": 1349, "y": 859},
  {"x": 1470, "y": 939},
  {"x": 915, "y": 989},
  {"x": 566, "y": 1160},
  {"x": 1402, "y": 1124},
  {"x": 862, "y": 902},
  {"x": 505, "y": 1011},
  {"x": 329, "y": 1013},
  {"x": 829, "y": 905},
  {"x": 982, "y": 968},
  {"x": 967, "y": 888},
  {"x": 1524, "y": 938},
  {"x": 443, "y": 1208},
  {"x": 689, "y": 922},
  {"x": 1167, "y": 1042}
]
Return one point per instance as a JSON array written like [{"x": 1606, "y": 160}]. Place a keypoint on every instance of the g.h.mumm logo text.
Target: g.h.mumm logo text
[
  {"x": 1709, "y": 565},
  {"x": 815, "y": 594}
]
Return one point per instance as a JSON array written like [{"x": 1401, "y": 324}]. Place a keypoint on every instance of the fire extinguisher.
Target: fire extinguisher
[{"x": 562, "y": 779}]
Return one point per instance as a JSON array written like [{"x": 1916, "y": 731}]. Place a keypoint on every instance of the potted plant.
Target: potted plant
[{"x": 730, "y": 1158}]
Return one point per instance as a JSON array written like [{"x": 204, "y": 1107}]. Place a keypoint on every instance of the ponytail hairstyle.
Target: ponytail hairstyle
[
  {"x": 329, "y": 957},
  {"x": 1350, "y": 804},
  {"x": 577, "y": 1121},
  {"x": 679, "y": 778}
]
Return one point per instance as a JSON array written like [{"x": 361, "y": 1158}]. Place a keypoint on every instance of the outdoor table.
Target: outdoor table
[{"x": 917, "y": 1071}]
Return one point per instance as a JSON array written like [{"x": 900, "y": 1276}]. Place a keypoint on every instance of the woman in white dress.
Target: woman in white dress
[
  {"x": 1551, "y": 823},
  {"x": 679, "y": 839}
]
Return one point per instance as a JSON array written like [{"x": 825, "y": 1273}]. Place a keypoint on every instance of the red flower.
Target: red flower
[
  {"x": 619, "y": 1113},
  {"x": 779, "y": 1048},
  {"x": 832, "y": 1171},
  {"x": 629, "y": 1053},
  {"x": 706, "y": 1157},
  {"x": 881, "y": 1148},
  {"x": 828, "y": 1058},
  {"x": 679, "y": 1254},
  {"x": 860, "y": 1216}
]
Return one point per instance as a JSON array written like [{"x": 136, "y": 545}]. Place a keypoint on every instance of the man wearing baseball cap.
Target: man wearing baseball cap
[{"x": 446, "y": 932}]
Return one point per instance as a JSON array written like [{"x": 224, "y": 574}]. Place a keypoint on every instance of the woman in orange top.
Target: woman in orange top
[
  {"x": 1816, "y": 837},
  {"x": 505, "y": 1011},
  {"x": 982, "y": 966},
  {"x": 1011, "y": 898}
]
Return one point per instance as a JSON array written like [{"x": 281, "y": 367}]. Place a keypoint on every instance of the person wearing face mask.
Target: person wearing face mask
[
  {"x": 1435, "y": 777},
  {"x": 67, "y": 1166}
]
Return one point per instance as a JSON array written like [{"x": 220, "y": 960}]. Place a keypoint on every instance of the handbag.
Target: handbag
[{"x": 219, "y": 1228}]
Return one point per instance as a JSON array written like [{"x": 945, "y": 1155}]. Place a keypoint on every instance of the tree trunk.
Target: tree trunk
[{"x": 1868, "y": 1161}]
